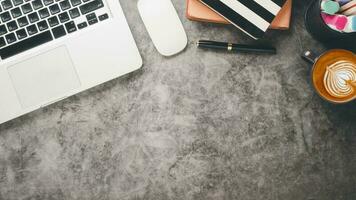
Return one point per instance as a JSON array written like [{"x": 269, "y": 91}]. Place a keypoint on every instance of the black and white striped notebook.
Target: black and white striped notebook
[{"x": 251, "y": 16}]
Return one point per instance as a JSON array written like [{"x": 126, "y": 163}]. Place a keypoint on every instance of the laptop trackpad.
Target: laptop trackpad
[{"x": 44, "y": 78}]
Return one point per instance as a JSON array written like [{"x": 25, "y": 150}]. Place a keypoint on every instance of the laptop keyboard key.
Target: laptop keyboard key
[
  {"x": 21, "y": 34},
  {"x": 70, "y": 26},
  {"x": 92, "y": 19},
  {"x": 48, "y": 2},
  {"x": 42, "y": 25},
  {"x": 53, "y": 21},
  {"x": 91, "y": 16},
  {"x": 33, "y": 17},
  {"x": 54, "y": 9},
  {"x": 58, "y": 31},
  {"x": 32, "y": 29},
  {"x": 11, "y": 26},
  {"x": 91, "y": 6},
  {"x": 82, "y": 25},
  {"x": 63, "y": 17},
  {"x": 75, "y": 2},
  {"x": 37, "y": 4},
  {"x": 3, "y": 30},
  {"x": 65, "y": 5},
  {"x": 7, "y": 4},
  {"x": 2, "y": 42},
  {"x": 26, "y": 44},
  {"x": 16, "y": 12},
  {"x": 103, "y": 17},
  {"x": 10, "y": 38},
  {"x": 17, "y": 2},
  {"x": 74, "y": 13},
  {"x": 5, "y": 16},
  {"x": 22, "y": 21},
  {"x": 43, "y": 13},
  {"x": 26, "y": 8}
]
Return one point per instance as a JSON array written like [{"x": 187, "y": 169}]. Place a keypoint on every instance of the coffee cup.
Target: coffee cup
[{"x": 334, "y": 74}]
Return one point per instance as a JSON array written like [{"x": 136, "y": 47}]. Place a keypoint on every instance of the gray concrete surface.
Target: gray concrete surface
[{"x": 201, "y": 125}]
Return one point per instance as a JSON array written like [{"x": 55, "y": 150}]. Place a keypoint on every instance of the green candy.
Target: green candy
[{"x": 330, "y": 7}]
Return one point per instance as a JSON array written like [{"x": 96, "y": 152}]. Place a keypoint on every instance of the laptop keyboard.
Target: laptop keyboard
[{"x": 26, "y": 24}]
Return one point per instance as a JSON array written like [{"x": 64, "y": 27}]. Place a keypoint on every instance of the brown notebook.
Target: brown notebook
[{"x": 199, "y": 12}]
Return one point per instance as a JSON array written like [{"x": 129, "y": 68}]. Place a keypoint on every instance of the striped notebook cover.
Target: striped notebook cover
[{"x": 251, "y": 16}]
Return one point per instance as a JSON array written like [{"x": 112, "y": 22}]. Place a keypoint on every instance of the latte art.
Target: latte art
[{"x": 340, "y": 79}]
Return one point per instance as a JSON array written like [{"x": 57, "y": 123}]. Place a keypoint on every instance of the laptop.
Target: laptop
[{"x": 52, "y": 49}]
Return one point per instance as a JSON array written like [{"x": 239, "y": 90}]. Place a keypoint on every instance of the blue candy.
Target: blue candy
[
  {"x": 343, "y": 2},
  {"x": 353, "y": 23}
]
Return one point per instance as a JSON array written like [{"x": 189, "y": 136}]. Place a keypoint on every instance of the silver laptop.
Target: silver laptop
[{"x": 52, "y": 49}]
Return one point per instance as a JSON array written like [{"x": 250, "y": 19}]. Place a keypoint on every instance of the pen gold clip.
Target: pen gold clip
[{"x": 229, "y": 47}]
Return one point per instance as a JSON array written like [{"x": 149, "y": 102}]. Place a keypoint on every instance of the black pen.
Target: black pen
[{"x": 206, "y": 44}]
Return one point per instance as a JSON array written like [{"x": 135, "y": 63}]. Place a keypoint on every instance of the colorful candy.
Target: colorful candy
[
  {"x": 339, "y": 15},
  {"x": 330, "y": 7},
  {"x": 342, "y": 2},
  {"x": 351, "y": 25},
  {"x": 337, "y": 22},
  {"x": 348, "y": 6},
  {"x": 350, "y": 12}
]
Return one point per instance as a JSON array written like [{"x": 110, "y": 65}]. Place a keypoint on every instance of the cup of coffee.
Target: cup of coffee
[{"x": 334, "y": 74}]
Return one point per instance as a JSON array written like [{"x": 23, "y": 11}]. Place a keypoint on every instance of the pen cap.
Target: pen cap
[{"x": 322, "y": 32}]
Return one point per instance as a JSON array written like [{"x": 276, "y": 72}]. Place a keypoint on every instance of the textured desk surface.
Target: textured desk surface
[{"x": 200, "y": 125}]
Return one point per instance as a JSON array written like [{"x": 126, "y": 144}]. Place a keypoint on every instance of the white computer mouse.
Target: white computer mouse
[{"x": 163, "y": 25}]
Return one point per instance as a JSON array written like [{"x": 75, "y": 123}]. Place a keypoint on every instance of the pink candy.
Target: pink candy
[{"x": 337, "y": 21}]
